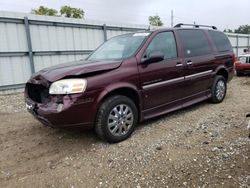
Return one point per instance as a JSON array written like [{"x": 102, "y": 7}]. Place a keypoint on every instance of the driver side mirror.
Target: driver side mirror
[{"x": 153, "y": 57}]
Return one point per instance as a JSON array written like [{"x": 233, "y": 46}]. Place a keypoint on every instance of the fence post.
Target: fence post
[
  {"x": 31, "y": 59},
  {"x": 248, "y": 43},
  {"x": 237, "y": 45},
  {"x": 105, "y": 32}
]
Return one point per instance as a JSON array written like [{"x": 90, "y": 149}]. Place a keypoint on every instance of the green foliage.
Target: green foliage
[
  {"x": 44, "y": 11},
  {"x": 155, "y": 20},
  {"x": 228, "y": 31},
  {"x": 65, "y": 11},
  {"x": 71, "y": 12},
  {"x": 243, "y": 29}
]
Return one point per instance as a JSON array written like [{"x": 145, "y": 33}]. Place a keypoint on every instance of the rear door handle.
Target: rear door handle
[
  {"x": 179, "y": 64},
  {"x": 189, "y": 62}
]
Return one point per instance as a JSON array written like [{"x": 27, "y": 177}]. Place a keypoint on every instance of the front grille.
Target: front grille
[{"x": 38, "y": 93}]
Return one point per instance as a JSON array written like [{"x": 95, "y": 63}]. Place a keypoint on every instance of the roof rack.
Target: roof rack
[{"x": 195, "y": 25}]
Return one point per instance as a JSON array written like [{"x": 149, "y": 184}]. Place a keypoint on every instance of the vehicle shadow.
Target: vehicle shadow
[
  {"x": 86, "y": 138},
  {"x": 179, "y": 112}
]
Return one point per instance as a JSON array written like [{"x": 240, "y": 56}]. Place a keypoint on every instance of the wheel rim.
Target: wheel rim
[
  {"x": 220, "y": 89},
  {"x": 120, "y": 120}
]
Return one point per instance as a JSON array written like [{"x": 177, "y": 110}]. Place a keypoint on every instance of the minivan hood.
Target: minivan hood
[{"x": 57, "y": 72}]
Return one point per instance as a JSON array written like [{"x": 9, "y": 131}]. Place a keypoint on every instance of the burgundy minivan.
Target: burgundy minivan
[{"x": 131, "y": 78}]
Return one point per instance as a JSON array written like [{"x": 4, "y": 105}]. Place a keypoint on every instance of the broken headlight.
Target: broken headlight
[{"x": 68, "y": 86}]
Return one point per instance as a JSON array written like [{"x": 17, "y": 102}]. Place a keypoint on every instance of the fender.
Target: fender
[
  {"x": 229, "y": 71},
  {"x": 118, "y": 85},
  {"x": 221, "y": 67}
]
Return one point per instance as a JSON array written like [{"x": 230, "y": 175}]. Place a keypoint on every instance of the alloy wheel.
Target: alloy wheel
[
  {"x": 120, "y": 120},
  {"x": 220, "y": 89}
]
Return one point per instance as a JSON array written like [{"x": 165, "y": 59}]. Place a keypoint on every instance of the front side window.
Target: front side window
[
  {"x": 194, "y": 43},
  {"x": 165, "y": 43},
  {"x": 119, "y": 48}
]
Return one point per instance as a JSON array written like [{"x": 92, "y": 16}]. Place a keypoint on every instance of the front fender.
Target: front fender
[
  {"x": 119, "y": 85},
  {"x": 113, "y": 87}
]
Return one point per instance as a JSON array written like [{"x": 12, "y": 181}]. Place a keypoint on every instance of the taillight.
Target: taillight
[{"x": 234, "y": 58}]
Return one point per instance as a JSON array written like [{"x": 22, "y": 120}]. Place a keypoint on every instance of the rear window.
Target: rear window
[
  {"x": 221, "y": 41},
  {"x": 195, "y": 43}
]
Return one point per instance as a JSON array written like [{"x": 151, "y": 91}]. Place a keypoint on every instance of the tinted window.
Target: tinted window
[
  {"x": 194, "y": 43},
  {"x": 221, "y": 41},
  {"x": 165, "y": 43}
]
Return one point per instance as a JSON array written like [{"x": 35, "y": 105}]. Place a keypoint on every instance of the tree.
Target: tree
[
  {"x": 65, "y": 11},
  {"x": 44, "y": 11},
  {"x": 228, "y": 31},
  {"x": 244, "y": 29},
  {"x": 71, "y": 12},
  {"x": 155, "y": 20}
]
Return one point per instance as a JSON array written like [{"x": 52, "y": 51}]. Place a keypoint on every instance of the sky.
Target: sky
[{"x": 225, "y": 14}]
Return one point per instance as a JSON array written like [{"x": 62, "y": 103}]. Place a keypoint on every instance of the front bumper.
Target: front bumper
[{"x": 76, "y": 110}]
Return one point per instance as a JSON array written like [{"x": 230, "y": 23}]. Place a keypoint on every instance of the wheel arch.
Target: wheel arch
[
  {"x": 124, "y": 89},
  {"x": 223, "y": 72}
]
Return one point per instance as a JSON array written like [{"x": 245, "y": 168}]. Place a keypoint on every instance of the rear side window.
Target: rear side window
[
  {"x": 221, "y": 41},
  {"x": 195, "y": 43},
  {"x": 165, "y": 43}
]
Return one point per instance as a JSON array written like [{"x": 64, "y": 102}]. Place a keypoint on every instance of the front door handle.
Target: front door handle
[
  {"x": 179, "y": 64},
  {"x": 189, "y": 62}
]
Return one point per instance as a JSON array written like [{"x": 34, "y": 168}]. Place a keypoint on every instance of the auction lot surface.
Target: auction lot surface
[{"x": 205, "y": 145}]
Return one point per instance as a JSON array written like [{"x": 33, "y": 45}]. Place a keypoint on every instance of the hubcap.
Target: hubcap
[
  {"x": 120, "y": 120},
  {"x": 220, "y": 89}
]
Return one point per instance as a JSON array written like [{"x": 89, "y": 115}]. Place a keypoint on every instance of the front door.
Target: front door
[{"x": 162, "y": 81}]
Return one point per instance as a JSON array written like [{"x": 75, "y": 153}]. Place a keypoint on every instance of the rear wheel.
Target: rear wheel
[
  {"x": 116, "y": 119},
  {"x": 219, "y": 89}
]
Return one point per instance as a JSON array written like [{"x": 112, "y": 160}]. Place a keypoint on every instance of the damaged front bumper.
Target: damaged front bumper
[{"x": 75, "y": 110}]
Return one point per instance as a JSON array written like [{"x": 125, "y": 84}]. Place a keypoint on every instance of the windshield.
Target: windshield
[{"x": 118, "y": 48}]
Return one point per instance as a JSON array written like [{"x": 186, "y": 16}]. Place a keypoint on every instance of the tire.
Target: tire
[
  {"x": 219, "y": 89},
  {"x": 239, "y": 74},
  {"x": 116, "y": 119}
]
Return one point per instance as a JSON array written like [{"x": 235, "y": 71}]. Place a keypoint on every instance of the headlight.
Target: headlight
[{"x": 68, "y": 86}]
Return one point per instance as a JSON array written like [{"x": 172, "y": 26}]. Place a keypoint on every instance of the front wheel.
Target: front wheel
[
  {"x": 219, "y": 89},
  {"x": 116, "y": 118}
]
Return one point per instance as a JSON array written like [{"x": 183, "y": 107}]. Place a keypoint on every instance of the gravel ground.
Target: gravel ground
[{"x": 205, "y": 145}]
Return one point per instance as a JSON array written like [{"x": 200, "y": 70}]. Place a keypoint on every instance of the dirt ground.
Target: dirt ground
[{"x": 205, "y": 145}]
